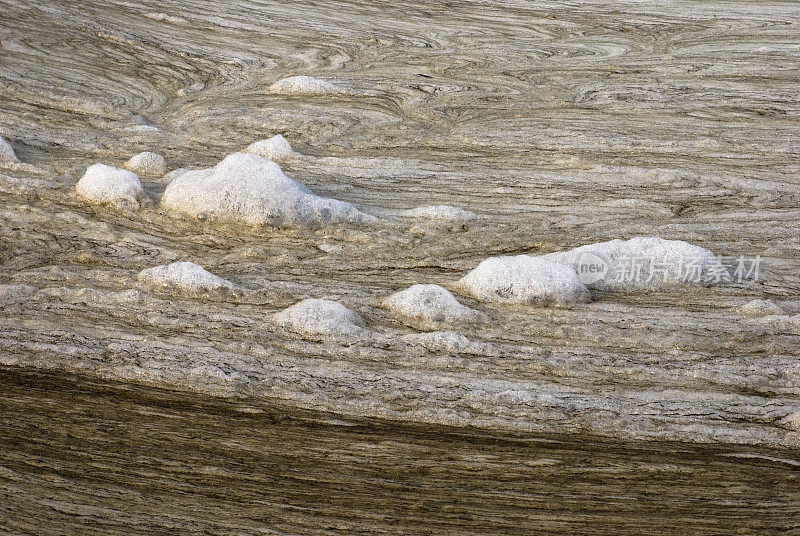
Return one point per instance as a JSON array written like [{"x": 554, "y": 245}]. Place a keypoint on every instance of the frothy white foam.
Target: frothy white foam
[
  {"x": 761, "y": 308},
  {"x": 246, "y": 188},
  {"x": 275, "y": 148},
  {"x": 102, "y": 184},
  {"x": 523, "y": 279},
  {"x": 163, "y": 17},
  {"x": 429, "y": 307},
  {"x": 449, "y": 217},
  {"x": 317, "y": 317},
  {"x": 186, "y": 276},
  {"x": 640, "y": 263},
  {"x": 147, "y": 163},
  {"x": 6, "y": 151},
  {"x": 792, "y": 421},
  {"x": 303, "y": 85}
]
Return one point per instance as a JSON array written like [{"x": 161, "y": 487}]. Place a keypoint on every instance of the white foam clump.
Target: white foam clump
[
  {"x": 275, "y": 148},
  {"x": 781, "y": 322},
  {"x": 163, "y": 17},
  {"x": 761, "y": 308},
  {"x": 429, "y": 307},
  {"x": 303, "y": 85},
  {"x": 522, "y": 279},
  {"x": 641, "y": 262},
  {"x": 102, "y": 184},
  {"x": 792, "y": 421},
  {"x": 174, "y": 174},
  {"x": 245, "y": 188},
  {"x": 186, "y": 276},
  {"x": 147, "y": 163},
  {"x": 442, "y": 215},
  {"x": 6, "y": 151},
  {"x": 319, "y": 317}
]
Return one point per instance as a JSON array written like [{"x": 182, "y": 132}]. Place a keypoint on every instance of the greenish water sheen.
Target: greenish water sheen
[{"x": 84, "y": 457}]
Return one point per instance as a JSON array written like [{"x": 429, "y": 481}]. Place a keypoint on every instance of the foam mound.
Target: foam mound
[
  {"x": 523, "y": 279},
  {"x": 792, "y": 421},
  {"x": 6, "y": 151},
  {"x": 641, "y": 263},
  {"x": 429, "y": 307},
  {"x": 102, "y": 184},
  {"x": 275, "y": 148},
  {"x": 174, "y": 174},
  {"x": 147, "y": 163},
  {"x": 303, "y": 85},
  {"x": 245, "y": 188},
  {"x": 317, "y": 317},
  {"x": 186, "y": 276},
  {"x": 761, "y": 308}
]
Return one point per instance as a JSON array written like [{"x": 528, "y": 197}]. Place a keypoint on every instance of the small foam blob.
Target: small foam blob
[
  {"x": 429, "y": 307},
  {"x": 102, "y": 184},
  {"x": 186, "y": 276},
  {"x": 6, "y": 151},
  {"x": 317, "y": 317},
  {"x": 761, "y": 308},
  {"x": 792, "y": 421},
  {"x": 142, "y": 128},
  {"x": 275, "y": 148},
  {"x": 147, "y": 163},
  {"x": 449, "y": 217},
  {"x": 303, "y": 85},
  {"x": 249, "y": 189},
  {"x": 641, "y": 263},
  {"x": 163, "y": 17},
  {"x": 330, "y": 248},
  {"x": 522, "y": 279},
  {"x": 780, "y": 322},
  {"x": 441, "y": 341},
  {"x": 12, "y": 293},
  {"x": 174, "y": 174}
]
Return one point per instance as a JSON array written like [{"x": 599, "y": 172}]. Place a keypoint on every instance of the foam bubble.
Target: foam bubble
[
  {"x": 303, "y": 85},
  {"x": 147, "y": 163},
  {"x": 641, "y": 262},
  {"x": 246, "y": 188},
  {"x": 761, "y": 308},
  {"x": 12, "y": 293},
  {"x": 174, "y": 174},
  {"x": 320, "y": 317},
  {"x": 429, "y": 307},
  {"x": 163, "y": 17},
  {"x": 449, "y": 217},
  {"x": 102, "y": 184},
  {"x": 186, "y": 276},
  {"x": 275, "y": 148},
  {"x": 523, "y": 279},
  {"x": 792, "y": 421},
  {"x": 6, "y": 151}
]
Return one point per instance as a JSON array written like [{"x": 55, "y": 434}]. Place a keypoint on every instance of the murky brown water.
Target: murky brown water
[
  {"x": 559, "y": 124},
  {"x": 86, "y": 457}
]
